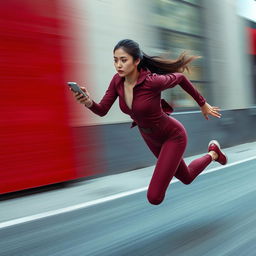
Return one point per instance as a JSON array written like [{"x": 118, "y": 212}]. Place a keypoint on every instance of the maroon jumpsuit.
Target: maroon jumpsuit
[{"x": 165, "y": 136}]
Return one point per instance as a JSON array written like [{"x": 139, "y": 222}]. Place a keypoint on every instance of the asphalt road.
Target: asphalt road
[{"x": 215, "y": 215}]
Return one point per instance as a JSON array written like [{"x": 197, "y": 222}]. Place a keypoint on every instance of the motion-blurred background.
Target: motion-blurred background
[{"x": 46, "y": 137}]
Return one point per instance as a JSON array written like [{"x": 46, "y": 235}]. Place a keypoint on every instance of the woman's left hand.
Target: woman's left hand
[{"x": 207, "y": 109}]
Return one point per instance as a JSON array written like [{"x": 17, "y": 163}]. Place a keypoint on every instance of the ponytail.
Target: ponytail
[{"x": 160, "y": 65}]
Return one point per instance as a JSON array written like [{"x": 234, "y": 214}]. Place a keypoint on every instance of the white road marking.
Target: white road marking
[{"x": 14, "y": 222}]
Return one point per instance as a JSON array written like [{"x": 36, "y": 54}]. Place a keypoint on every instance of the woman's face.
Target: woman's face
[{"x": 124, "y": 63}]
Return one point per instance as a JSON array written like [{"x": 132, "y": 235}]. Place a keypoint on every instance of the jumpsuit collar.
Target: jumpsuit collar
[{"x": 142, "y": 76}]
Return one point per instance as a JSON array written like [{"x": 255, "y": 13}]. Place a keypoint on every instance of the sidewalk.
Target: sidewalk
[{"x": 89, "y": 190}]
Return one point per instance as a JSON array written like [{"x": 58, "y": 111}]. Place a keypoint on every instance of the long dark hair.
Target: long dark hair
[{"x": 155, "y": 64}]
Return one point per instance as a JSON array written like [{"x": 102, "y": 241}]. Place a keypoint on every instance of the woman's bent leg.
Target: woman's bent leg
[
  {"x": 187, "y": 174},
  {"x": 168, "y": 161}
]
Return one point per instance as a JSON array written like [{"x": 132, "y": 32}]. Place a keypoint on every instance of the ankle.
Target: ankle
[{"x": 214, "y": 155}]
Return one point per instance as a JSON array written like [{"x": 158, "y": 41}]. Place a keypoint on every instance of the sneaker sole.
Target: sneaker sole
[{"x": 215, "y": 142}]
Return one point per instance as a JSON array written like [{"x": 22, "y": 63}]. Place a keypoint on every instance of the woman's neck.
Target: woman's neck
[{"x": 132, "y": 78}]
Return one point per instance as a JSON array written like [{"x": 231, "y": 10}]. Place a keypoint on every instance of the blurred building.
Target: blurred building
[
  {"x": 229, "y": 61},
  {"x": 247, "y": 10}
]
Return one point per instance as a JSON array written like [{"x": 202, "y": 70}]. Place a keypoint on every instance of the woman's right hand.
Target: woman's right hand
[{"x": 87, "y": 101}]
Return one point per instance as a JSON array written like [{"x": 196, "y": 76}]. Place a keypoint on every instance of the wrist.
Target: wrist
[
  {"x": 90, "y": 104},
  {"x": 203, "y": 104}
]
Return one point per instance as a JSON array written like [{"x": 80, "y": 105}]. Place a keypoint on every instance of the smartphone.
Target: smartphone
[{"x": 74, "y": 86}]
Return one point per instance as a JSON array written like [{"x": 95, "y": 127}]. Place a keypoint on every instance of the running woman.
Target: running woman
[{"x": 139, "y": 81}]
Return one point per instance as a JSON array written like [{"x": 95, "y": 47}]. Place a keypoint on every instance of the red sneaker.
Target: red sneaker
[{"x": 215, "y": 146}]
